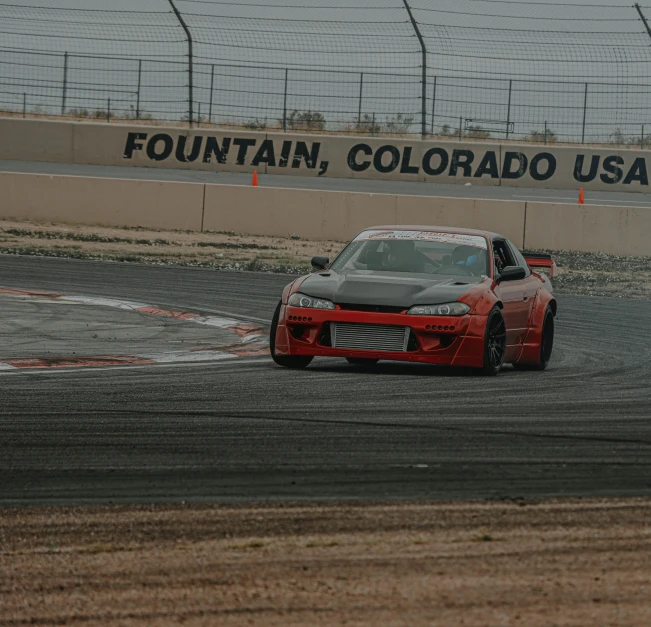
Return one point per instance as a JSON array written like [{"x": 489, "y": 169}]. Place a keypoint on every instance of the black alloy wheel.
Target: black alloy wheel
[
  {"x": 287, "y": 361},
  {"x": 361, "y": 361},
  {"x": 494, "y": 342}
]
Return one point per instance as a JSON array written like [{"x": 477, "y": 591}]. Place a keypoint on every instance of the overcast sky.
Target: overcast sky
[{"x": 475, "y": 47}]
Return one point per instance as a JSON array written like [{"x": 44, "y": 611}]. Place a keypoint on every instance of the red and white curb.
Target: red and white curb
[{"x": 249, "y": 339}]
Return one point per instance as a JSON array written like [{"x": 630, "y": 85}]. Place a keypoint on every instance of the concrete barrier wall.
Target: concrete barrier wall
[
  {"x": 313, "y": 214},
  {"x": 519, "y": 165},
  {"x": 324, "y": 215},
  {"x": 107, "y": 202},
  {"x": 589, "y": 228}
]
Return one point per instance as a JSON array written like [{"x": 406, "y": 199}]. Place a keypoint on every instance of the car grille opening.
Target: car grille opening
[
  {"x": 324, "y": 337},
  {"x": 297, "y": 331},
  {"x": 412, "y": 344},
  {"x": 372, "y": 308},
  {"x": 371, "y": 337},
  {"x": 447, "y": 340}
]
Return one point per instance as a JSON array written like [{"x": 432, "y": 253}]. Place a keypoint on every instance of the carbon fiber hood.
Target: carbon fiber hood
[{"x": 364, "y": 287}]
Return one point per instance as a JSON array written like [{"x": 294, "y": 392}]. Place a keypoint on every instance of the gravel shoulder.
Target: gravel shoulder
[
  {"x": 555, "y": 562},
  {"x": 594, "y": 274}
]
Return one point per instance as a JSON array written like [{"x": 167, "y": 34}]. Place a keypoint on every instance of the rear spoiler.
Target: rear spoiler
[{"x": 541, "y": 261}]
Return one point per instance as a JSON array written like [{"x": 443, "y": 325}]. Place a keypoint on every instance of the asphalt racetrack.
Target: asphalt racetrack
[{"x": 246, "y": 430}]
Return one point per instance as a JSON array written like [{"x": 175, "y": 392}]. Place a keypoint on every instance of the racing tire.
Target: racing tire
[
  {"x": 287, "y": 361},
  {"x": 361, "y": 361},
  {"x": 546, "y": 343},
  {"x": 494, "y": 343}
]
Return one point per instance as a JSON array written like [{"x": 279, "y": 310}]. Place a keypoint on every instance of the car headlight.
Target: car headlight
[
  {"x": 301, "y": 300},
  {"x": 448, "y": 309}
]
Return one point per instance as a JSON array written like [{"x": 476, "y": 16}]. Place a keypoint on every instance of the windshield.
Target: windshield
[{"x": 419, "y": 252}]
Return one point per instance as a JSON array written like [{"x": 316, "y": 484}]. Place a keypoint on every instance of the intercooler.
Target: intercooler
[{"x": 370, "y": 337}]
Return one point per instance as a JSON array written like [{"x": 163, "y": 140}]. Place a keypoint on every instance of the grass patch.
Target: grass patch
[
  {"x": 84, "y": 237},
  {"x": 253, "y": 544},
  {"x": 484, "y": 536},
  {"x": 314, "y": 544},
  {"x": 236, "y": 246},
  {"x": 99, "y": 547},
  {"x": 251, "y": 265}
]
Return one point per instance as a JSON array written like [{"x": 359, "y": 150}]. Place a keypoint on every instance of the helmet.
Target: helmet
[{"x": 397, "y": 252}]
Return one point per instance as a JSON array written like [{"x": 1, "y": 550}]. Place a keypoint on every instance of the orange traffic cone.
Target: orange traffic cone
[
  {"x": 254, "y": 182},
  {"x": 581, "y": 197}
]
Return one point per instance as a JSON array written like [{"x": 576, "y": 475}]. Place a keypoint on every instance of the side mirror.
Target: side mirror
[
  {"x": 512, "y": 273},
  {"x": 320, "y": 263}
]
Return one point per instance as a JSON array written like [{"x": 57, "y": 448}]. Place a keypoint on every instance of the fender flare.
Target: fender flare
[
  {"x": 486, "y": 302},
  {"x": 542, "y": 300},
  {"x": 292, "y": 288}
]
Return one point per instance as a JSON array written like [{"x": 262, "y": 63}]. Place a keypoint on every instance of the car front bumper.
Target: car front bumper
[{"x": 445, "y": 340}]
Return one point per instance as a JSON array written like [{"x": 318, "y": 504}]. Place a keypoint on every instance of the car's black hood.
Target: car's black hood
[{"x": 364, "y": 287}]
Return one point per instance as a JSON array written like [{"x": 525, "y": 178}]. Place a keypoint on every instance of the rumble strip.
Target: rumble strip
[{"x": 249, "y": 338}]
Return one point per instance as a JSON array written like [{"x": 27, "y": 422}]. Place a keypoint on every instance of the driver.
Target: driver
[
  {"x": 469, "y": 257},
  {"x": 402, "y": 256}
]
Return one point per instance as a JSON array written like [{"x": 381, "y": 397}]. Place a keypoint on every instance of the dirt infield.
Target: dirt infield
[
  {"x": 579, "y": 273},
  {"x": 558, "y": 562}
]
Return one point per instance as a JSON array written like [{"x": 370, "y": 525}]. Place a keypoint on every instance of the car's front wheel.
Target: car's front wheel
[
  {"x": 287, "y": 361},
  {"x": 494, "y": 342}
]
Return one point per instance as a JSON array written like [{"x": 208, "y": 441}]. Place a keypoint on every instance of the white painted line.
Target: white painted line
[
  {"x": 544, "y": 197},
  {"x": 241, "y": 317},
  {"x": 222, "y": 323},
  {"x": 254, "y": 338},
  {"x": 184, "y": 357},
  {"x": 104, "y": 302},
  {"x": 641, "y": 203},
  {"x": 597, "y": 201}
]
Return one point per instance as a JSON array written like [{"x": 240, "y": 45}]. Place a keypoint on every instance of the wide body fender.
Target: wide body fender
[
  {"x": 531, "y": 347},
  {"x": 281, "y": 342},
  {"x": 484, "y": 302}
]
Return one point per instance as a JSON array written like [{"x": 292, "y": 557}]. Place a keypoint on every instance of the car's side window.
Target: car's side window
[
  {"x": 520, "y": 261},
  {"x": 502, "y": 255}
]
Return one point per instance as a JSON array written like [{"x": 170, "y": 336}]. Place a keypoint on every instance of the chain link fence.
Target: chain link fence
[{"x": 471, "y": 69}]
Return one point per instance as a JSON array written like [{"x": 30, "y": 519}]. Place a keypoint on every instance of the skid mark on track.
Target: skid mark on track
[{"x": 251, "y": 338}]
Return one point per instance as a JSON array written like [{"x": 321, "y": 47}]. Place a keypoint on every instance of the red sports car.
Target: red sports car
[{"x": 455, "y": 297}]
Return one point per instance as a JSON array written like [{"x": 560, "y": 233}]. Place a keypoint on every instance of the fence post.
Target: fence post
[
  {"x": 508, "y": 110},
  {"x": 285, "y": 102},
  {"x": 361, "y": 91},
  {"x": 648, "y": 30},
  {"x": 646, "y": 24},
  {"x": 65, "y": 84},
  {"x": 373, "y": 126},
  {"x": 460, "y": 127},
  {"x": 108, "y": 111},
  {"x": 212, "y": 85},
  {"x": 138, "y": 94},
  {"x": 433, "y": 106},
  {"x": 188, "y": 34},
  {"x": 25, "y": 106},
  {"x": 545, "y": 132},
  {"x": 423, "y": 97},
  {"x": 199, "y": 114},
  {"x": 585, "y": 107}
]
